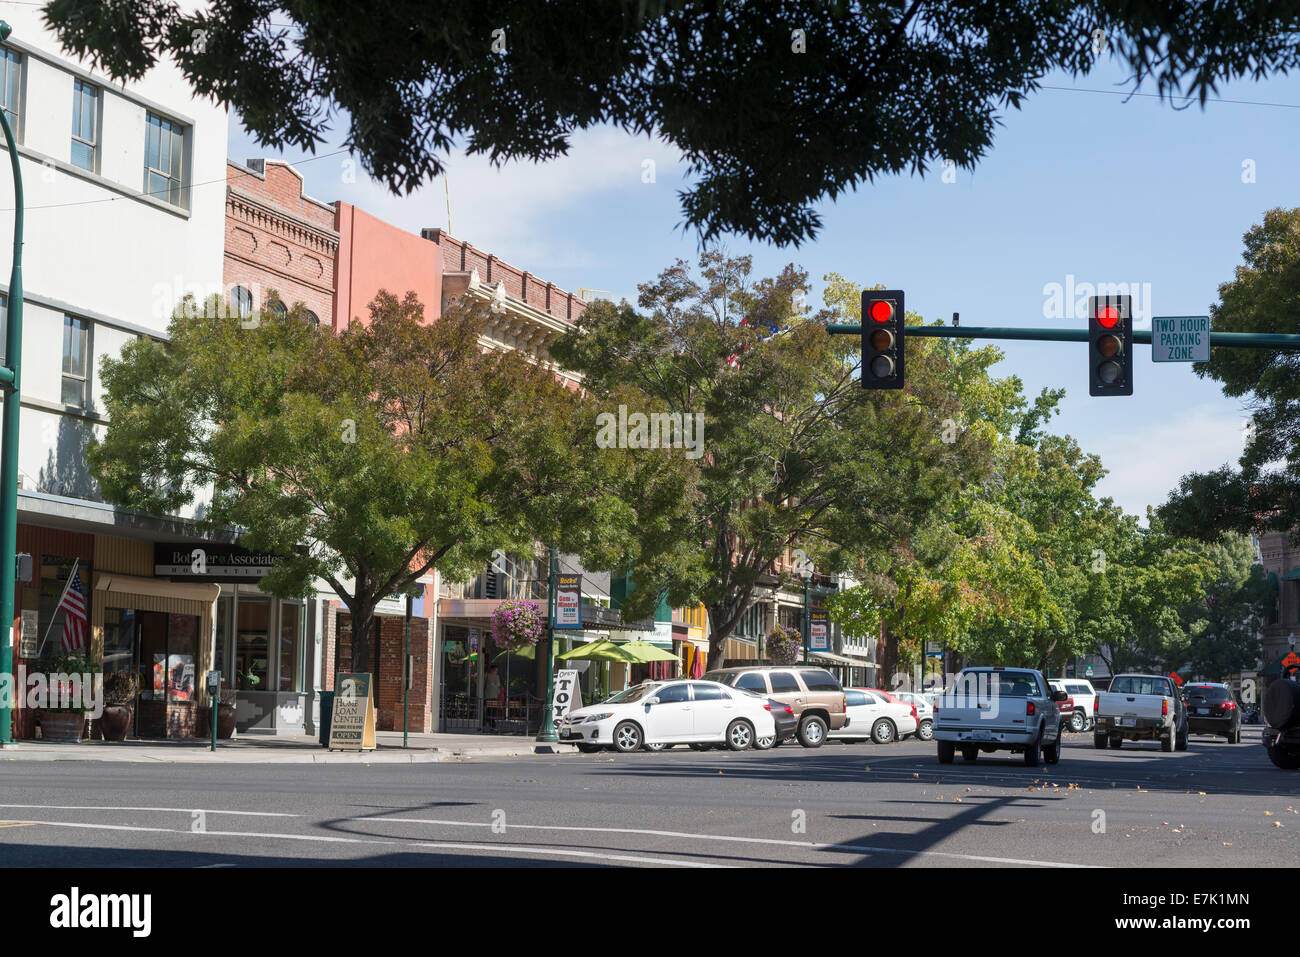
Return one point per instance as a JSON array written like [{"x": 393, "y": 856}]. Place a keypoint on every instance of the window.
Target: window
[
  {"x": 1142, "y": 684},
  {"x": 752, "y": 681},
  {"x": 818, "y": 680},
  {"x": 671, "y": 694},
  {"x": 252, "y": 658},
  {"x": 76, "y": 360},
  {"x": 164, "y": 152},
  {"x": 783, "y": 682},
  {"x": 857, "y": 697},
  {"x": 85, "y": 123},
  {"x": 11, "y": 84},
  {"x": 278, "y": 309},
  {"x": 706, "y": 692},
  {"x": 290, "y": 659},
  {"x": 241, "y": 300},
  {"x": 313, "y": 318}
]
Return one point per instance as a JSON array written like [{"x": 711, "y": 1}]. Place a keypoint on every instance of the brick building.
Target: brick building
[{"x": 278, "y": 238}]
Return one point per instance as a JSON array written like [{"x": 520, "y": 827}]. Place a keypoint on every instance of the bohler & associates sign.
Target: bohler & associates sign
[{"x": 209, "y": 562}]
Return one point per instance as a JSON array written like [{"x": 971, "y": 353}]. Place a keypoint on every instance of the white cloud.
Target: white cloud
[{"x": 1146, "y": 461}]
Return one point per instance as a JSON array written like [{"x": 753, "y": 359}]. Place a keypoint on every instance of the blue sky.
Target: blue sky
[{"x": 1076, "y": 184}]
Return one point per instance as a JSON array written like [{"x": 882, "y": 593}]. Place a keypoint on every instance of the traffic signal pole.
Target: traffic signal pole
[{"x": 1237, "y": 340}]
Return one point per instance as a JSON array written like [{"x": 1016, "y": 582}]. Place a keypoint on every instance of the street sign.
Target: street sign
[
  {"x": 1087, "y": 672},
  {"x": 568, "y": 601},
  {"x": 817, "y": 640},
  {"x": 1180, "y": 339}
]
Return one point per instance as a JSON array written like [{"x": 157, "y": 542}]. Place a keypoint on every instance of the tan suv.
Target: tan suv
[{"x": 814, "y": 694}]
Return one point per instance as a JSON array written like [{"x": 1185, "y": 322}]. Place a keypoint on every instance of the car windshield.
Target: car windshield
[
  {"x": 1140, "y": 684},
  {"x": 630, "y": 694}
]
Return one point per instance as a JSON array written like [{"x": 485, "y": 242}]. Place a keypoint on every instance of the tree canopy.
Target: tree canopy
[{"x": 774, "y": 105}]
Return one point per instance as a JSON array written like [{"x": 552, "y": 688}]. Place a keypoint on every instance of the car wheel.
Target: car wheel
[
  {"x": 1236, "y": 736},
  {"x": 1117, "y": 742},
  {"x": 1090, "y": 725},
  {"x": 656, "y": 747},
  {"x": 946, "y": 750},
  {"x": 1052, "y": 752},
  {"x": 1032, "y": 755},
  {"x": 1284, "y": 758},
  {"x": 740, "y": 735},
  {"x": 1180, "y": 741},
  {"x": 627, "y": 737},
  {"x": 765, "y": 743},
  {"x": 812, "y": 732},
  {"x": 1167, "y": 743},
  {"x": 969, "y": 754},
  {"x": 1077, "y": 722},
  {"x": 588, "y": 748},
  {"x": 882, "y": 732},
  {"x": 1099, "y": 740},
  {"x": 926, "y": 731}
]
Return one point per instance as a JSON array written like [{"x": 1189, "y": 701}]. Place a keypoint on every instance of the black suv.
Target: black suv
[{"x": 1211, "y": 710}]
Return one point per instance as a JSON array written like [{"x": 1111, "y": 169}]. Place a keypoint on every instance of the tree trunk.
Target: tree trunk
[
  {"x": 886, "y": 659},
  {"x": 363, "y": 623}
]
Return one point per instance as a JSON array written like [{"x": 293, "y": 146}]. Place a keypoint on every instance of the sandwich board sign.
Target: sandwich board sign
[
  {"x": 353, "y": 726},
  {"x": 567, "y": 696}
]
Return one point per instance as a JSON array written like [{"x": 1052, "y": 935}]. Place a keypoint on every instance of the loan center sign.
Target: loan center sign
[{"x": 1180, "y": 339}]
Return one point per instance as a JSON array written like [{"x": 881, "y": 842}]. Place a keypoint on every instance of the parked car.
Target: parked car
[
  {"x": 1141, "y": 708},
  {"x": 999, "y": 709},
  {"x": 814, "y": 694},
  {"x": 872, "y": 715},
  {"x": 924, "y": 713},
  {"x": 1080, "y": 716},
  {"x": 674, "y": 712},
  {"x": 787, "y": 725},
  {"x": 1212, "y": 710}
]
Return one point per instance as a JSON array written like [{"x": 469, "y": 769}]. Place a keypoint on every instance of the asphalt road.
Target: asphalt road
[{"x": 862, "y": 804}]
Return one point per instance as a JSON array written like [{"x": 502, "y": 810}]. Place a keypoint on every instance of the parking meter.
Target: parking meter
[{"x": 214, "y": 692}]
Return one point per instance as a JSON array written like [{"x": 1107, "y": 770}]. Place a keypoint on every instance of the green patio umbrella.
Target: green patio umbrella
[
  {"x": 527, "y": 651},
  {"x": 602, "y": 650},
  {"x": 645, "y": 652}
]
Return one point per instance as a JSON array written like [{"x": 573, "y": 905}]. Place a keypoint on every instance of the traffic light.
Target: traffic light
[
  {"x": 1110, "y": 345},
  {"x": 882, "y": 339}
]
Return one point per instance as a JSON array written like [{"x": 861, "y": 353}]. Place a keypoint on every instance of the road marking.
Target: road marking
[
  {"x": 178, "y": 810},
  {"x": 434, "y": 845},
  {"x": 14, "y": 824},
  {"x": 813, "y": 845}
]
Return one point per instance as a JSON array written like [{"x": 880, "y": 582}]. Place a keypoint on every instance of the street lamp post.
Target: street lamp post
[
  {"x": 546, "y": 736},
  {"x": 9, "y": 383},
  {"x": 807, "y": 630}
]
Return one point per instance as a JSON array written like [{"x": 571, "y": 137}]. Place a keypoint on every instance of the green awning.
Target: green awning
[{"x": 1292, "y": 575}]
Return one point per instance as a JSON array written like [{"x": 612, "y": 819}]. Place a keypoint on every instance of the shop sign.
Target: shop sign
[
  {"x": 566, "y": 691},
  {"x": 352, "y": 727},
  {"x": 473, "y": 641},
  {"x": 209, "y": 562},
  {"x": 568, "y": 601},
  {"x": 817, "y": 628}
]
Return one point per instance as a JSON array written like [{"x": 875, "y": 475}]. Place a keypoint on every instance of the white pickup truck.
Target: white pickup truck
[
  {"x": 999, "y": 709},
  {"x": 1140, "y": 708}
]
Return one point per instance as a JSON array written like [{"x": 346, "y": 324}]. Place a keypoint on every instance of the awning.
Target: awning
[
  {"x": 1292, "y": 575},
  {"x": 158, "y": 588},
  {"x": 833, "y": 658}
]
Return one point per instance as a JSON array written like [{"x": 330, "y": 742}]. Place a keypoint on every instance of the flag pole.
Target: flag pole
[{"x": 64, "y": 594}]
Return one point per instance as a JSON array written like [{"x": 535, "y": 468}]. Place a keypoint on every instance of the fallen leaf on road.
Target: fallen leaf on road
[
  {"x": 916, "y": 775},
  {"x": 1227, "y": 844},
  {"x": 956, "y": 800},
  {"x": 968, "y": 790},
  {"x": 1201, "y": 793},
  {"x": 1277, "y": 823},
  {"x": 1268, "y": 813}
]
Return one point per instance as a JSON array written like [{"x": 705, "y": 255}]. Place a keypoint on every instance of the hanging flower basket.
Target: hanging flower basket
[
  {"x": 783, "y": 645},
  {"x": 517, "y": 623}
]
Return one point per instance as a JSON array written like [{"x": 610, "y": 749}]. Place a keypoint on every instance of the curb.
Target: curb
[{"x": 249, "y": 756}]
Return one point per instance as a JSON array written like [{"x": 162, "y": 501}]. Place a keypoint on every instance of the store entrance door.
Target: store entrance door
[{"x": 167, "y": 646}]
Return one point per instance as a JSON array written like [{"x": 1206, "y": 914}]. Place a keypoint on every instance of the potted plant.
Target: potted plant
[
  {"x": 517, "y": 623},
  {"x": 69, "y": 689},
  {"x": 119, "y": 705},
  {"x": 225, "y": 716}
]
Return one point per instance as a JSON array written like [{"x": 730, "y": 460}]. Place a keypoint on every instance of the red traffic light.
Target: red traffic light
[
  {"x": 882, "y": 310},
  {"x": 1108, "y": 316}
]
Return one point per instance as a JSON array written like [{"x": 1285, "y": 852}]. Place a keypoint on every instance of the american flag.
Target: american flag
[{"x": 74, "y": 616}]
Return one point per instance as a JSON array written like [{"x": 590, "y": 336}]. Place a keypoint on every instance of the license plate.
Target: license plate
[
  {"x": 1128, "y": 722},
  {"x": 1202, "y": 710},
  {"x": 980, "y": 736}
]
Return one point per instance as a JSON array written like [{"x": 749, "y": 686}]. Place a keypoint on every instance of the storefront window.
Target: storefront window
[
  {"x": 252, "y": 656},
  {"x": 290, "y": 647},
  {"x": 60, "y": 598},
  {"x": 119, "y": 640},
  {"x": 223, "y": 633}
]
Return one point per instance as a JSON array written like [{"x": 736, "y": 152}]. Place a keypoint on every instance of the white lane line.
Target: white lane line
[
  {"x": 813, "y": 845},
  {"x": 404, "y": 845},
  {"x": 178, "y": 810}
]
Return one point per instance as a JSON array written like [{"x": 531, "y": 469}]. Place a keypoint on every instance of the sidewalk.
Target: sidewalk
[{"x": 283, "y": 749}]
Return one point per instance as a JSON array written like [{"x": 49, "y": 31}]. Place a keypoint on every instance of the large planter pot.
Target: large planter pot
[
  {"x": 62, "y": 725},
  {"x": 115, "y": 721},
  {"x": 225, "y": 721}
]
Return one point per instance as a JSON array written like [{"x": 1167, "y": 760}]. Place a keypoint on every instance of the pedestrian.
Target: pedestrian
[{"x": 492, "y": 693}]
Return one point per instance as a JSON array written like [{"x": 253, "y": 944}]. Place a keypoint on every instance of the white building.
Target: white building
[{"x": 125, "y": 197}]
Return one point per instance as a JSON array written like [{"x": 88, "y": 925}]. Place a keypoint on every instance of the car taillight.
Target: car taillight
[
  {"x": 1228, "y": 705},
  {"x": 1096, "y": 703},
  {"x": 1029, "y": 707},
  {"x": 767, "y": 707},
  {"x": 1164, "y": 707},
  {"x": 789, "y": 710}
]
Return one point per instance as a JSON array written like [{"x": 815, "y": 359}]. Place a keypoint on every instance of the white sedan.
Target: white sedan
[
  {"x": 674, "y": 712},
  {"x": 924, "y": 713},
  {"x": 871, "y": 712}
]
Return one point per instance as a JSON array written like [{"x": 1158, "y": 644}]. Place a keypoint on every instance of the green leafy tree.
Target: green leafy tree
[
  {"x": 1264, "y": 491},
  {"x": 773, "y": 105},
  {"x": 796, "y": 453},
  {"x": 1226, "y": 626},
  {"x": 368, "y": 458}
]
